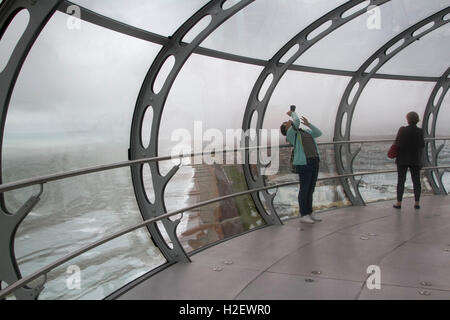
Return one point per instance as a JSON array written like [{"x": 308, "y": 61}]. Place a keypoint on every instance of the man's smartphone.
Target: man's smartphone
[{"x": 292, "y": 108}]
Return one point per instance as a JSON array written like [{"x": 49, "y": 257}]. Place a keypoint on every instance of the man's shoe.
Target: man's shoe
[
  {"x": 306, "y": 219},
  {"x": 315, "y": 216}
]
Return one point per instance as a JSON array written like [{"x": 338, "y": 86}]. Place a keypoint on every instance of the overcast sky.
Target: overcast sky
[{"x": 83, "y": 84}]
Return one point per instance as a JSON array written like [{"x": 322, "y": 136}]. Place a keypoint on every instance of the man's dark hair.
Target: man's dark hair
[
  {"x": 412, "y": 117},
  {"x": 283, "y": 129}
]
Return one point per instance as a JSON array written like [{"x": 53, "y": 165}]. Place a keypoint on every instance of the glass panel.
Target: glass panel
[
  {"x": 203, "y": 110},
  {"x": 72, "y": 108},
  {"x": 217, "y": 221},
  {"x": 383, "y": 106},
  {"x": 316, "y": 97},
  {"x": 427, "y": 57},
  {"x": 159, "y": 16},
  {"x": 349, "y": 46},
  {"x": 76, "y": 88},
  {"x": 208, "y": 94},
  {"x": 74, "y": 213},
  {"x": 372, "y": 157},
  {"x": 264, "y": 26}
]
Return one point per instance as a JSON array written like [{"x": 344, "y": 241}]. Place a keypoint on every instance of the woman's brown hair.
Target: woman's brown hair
[{"x": 412, "y": 117}]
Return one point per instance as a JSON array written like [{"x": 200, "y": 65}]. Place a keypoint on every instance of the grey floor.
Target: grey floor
[{"x": 327, "y": 260}]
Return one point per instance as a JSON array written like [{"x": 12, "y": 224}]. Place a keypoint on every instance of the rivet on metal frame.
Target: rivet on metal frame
[
  {"x": 424, "y": 292},
  {"x": 426, "y": 284},
  {"x": 316, "y": 272},
  {"x": 309, "y": 280},
  {"x": 228, "y": 262},
  {"x": 218, "y": 269}
]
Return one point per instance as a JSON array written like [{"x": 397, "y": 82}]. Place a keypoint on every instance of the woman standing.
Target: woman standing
[
  {"x": 410, "y": 142},
  {"x": 306, "y": 161}
]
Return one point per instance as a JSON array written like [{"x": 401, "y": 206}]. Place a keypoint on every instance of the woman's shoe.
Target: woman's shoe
[
  {"x": 416, "y": 206},
  {"x": 306, "y": 219},
  {"x": 397, "y": 207}
]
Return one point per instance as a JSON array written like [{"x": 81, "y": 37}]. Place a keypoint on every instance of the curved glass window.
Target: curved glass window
[
  {"x": 383, "y": 105},
  {"x": 348, "y": 47},
  {"x": 204, "y": 110},
  {"x": 316, "y": 97},
  {"x": 72, "y": 108},
  {"x": 264, "y": 26},
  {"x": 429, "y": 56},
  {"x": 77, "y": 88}
]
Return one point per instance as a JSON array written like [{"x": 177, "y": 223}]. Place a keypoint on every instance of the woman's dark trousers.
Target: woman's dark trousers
[
  {"x": 308, "y": 177},
  {"x": 415, "y": 176}
]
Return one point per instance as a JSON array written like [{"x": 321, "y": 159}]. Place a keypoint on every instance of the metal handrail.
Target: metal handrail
[
  {"x": 43, "y": 271},
  {"x": 74, "y": 173}
]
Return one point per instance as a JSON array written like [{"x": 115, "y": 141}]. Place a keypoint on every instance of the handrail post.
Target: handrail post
[
  {"x": 39, "y": 13},
  {"x": 9, "y": 270}
]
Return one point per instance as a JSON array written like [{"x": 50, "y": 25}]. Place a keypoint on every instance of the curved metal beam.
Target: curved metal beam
[
  {"x": 274, "y": 68},
  {"x": 39, "y": 13},
  {"x": 344, "y": 155},
  {"x": 429, "y": 127},
  {"x": 114, "y": 25},
  {"x": 179, "y": 51}
]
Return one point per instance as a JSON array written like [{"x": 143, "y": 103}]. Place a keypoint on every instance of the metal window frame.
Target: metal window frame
[
  {"x": 344, "y": 157},
  {"x": 147, "y": 98},
  {"x": 39, "y": 14},
  {"x": 429, "y": 128},
  {"x": 277, "y": 69}
]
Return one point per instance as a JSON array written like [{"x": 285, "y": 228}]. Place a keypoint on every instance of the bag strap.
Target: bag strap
[{"x": 296, "y": 133}]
